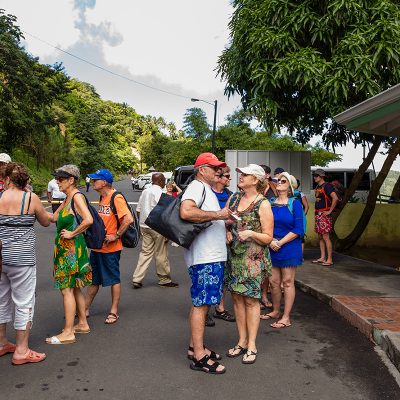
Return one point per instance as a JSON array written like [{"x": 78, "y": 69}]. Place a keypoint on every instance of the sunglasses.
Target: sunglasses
[
  {"x": 316, "y": 175},
  {"x": 282, "y": 181},
  {"x": 60, "y": 179},
  {"x": 243, "y": 174},
  {"x": 212, "y": 167},
  {"x": 227, "y": 176}
]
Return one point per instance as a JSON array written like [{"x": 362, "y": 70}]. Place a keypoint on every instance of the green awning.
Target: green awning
[{"x": 379, "y": 115}]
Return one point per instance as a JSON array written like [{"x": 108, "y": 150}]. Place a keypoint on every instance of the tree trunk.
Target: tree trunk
[
  {"x": 354, "y": 184},
  {"x": 396, "y": 190},
  {"x": 351, "y": 239}
]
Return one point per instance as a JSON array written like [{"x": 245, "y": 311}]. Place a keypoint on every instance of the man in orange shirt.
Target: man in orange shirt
[{"x": 105, "y": 261}]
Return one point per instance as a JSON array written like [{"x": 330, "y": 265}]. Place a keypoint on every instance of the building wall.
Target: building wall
[{"x": 383, "y": 229}]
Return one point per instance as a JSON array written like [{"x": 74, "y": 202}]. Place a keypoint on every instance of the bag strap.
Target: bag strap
[
  {"x": 72, "y": 202},
  {"x": 23, "y": 203},
  {"x": 203, "y": 196},
  {"x": 29, "y": 202},
  {"x": 113, "y": 208}
]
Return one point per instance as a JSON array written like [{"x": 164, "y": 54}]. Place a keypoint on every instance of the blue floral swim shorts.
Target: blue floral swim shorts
[{"x": 207, "y": 283}]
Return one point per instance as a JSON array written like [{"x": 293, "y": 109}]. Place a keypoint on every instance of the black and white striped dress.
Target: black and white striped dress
[{"x": 18, "y": 237}]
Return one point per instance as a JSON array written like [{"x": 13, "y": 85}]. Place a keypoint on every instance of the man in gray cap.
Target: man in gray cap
[{"x": 325, "y": 203}]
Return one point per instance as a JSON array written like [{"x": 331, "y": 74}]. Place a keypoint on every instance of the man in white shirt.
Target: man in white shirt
[
  {"x": 153, "y": 243},
  {"x": 54, "y": 194},
  {"x": 87, "y": 181},
  {"x": 205, "y": 258}
]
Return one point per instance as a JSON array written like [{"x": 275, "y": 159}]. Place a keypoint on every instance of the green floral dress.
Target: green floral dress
[
  {"x": 71, "y": 260},
  {"x": 249, "y": 263}
]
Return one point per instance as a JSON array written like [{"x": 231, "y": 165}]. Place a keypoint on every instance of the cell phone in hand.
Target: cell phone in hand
[{"x": 236, "y": 217}]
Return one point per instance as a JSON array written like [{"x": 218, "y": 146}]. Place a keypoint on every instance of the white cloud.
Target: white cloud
[
  {"x": 177, "y": 41},
  {"x": 49, "y": 20}
]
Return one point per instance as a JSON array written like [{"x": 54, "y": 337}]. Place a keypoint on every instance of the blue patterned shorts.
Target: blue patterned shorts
[{"x": 207, "y": 283}]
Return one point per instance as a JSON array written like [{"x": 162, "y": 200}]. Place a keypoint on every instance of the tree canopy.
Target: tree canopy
[{"x": 297, "y": 63}]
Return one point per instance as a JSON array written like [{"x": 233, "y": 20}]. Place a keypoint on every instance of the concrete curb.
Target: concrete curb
[{"x": 388, "y": 341}]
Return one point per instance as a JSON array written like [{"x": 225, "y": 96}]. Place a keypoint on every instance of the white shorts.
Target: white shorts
[{"x": 17, "y": 287}]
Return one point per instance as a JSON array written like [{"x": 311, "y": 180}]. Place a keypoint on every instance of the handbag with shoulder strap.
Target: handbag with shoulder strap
[{"x": 165, "y": 219}]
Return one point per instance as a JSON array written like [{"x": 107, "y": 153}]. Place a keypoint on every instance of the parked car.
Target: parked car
[
  {"x": 142, "y": 181},
  {"x": 183, "y": 175}
]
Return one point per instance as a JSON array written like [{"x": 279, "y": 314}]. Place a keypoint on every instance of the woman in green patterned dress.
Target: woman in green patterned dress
[
  {"x": 72, "y": 270},
  {"x": 249, "y": 262}
]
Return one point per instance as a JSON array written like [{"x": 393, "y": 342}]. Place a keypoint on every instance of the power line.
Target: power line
[{"x": 107, "y": 70}]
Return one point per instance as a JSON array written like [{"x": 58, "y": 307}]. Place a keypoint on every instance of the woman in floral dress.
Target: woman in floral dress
[
  {"x": 72, "y": 270},
  {"x": 249, "y": 262}
]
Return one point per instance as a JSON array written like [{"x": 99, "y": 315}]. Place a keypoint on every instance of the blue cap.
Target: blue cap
[
  {"x": 278, "y": 170},
  {"x": 103, "y": 174}
]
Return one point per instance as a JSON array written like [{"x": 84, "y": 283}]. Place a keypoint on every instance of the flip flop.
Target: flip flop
[
  {"x": 31, "y": 357},
  {"x": 275, "y": 325},
  {"x": 326, "y": 264},
  {"x": 83, "y": 331},
  {"x": 317, "y": 261},
  {"x": 7, "y": 348},
  {"x": 114, "y": 318},
  {"x": 267, "y": 317},
  {"x": 264, "y": 305},
  {"x": 56, "y": 340}
]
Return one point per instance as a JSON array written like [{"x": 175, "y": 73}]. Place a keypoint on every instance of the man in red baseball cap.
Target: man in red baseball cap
[
  {"x": 208, "y": 159},
  {"x": 205, "y": 258}
]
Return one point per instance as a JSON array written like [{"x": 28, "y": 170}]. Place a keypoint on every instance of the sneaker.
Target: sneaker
[
  {"x": 137, "y": 285},
  {"x": 209, "y": 321},
  {"x": 169, "y": 284}
]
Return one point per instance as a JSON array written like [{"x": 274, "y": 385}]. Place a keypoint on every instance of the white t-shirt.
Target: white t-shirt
[
  {"x": 148, "y": 200},
  {"x": 54, "y": 190},
  {"x": 87, "y": 180},
  {"x": 210, "y": 245}
]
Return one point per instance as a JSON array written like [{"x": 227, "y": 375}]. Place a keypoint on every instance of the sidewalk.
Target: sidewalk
[{"x": 364, "y": 293}]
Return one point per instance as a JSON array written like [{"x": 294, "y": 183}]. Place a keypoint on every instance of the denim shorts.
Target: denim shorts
[
  {"x": 105, "y": 268},
  {"x": 207, "y": 283}
]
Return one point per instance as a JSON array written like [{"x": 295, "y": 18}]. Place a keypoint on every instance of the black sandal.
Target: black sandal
[
  {"x": 213, "y": 355},
  {"x": 241, "y": 349},
  {"x": 225, "y": 315},
  {"x": 202, "y": 365},
  {"x": 249, "y": 353}
]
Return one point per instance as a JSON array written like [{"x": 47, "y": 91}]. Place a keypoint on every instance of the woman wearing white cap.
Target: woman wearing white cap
[
  {"x": 286, "y": 251},
  {"x": 249, "y": 261}
]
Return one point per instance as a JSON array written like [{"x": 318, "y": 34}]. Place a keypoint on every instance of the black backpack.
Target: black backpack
[
  {"x": 130, "y": 238},
  {"x": 96, "y": 233}
]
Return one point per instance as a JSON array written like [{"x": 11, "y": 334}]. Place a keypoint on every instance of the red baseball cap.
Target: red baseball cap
[{"x": 210, "y": 159}]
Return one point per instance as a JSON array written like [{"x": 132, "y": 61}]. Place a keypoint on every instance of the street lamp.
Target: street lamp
[{"x": 215, "y": 121}]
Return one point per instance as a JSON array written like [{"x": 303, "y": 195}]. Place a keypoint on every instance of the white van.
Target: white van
[{"x": 344, "y": 176}]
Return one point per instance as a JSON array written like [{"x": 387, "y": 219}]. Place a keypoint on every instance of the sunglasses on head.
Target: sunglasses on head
[{"x": 282, "y": 181}]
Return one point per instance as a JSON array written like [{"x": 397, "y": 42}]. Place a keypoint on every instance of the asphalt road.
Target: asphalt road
[{"x": 143, "y": 356}]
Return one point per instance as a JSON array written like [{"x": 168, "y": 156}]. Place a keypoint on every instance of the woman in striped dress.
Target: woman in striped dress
[{"x": 19, "y": 210}]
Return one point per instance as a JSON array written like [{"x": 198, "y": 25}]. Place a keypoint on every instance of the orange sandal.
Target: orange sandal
[
  {"x": 7, "y": 348},
  {"x": 30, "y": 357}
]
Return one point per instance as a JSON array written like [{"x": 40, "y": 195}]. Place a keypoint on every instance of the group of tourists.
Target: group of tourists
[
  {"x": 251, "y": 238},
  {"x": 253, "y": 246},
  {"x": 73, "y": 269}
]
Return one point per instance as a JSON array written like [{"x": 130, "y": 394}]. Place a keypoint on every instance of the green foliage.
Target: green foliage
[
  {"x": 296, "y": 64},
  {"x": 195, "y": 124}
]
